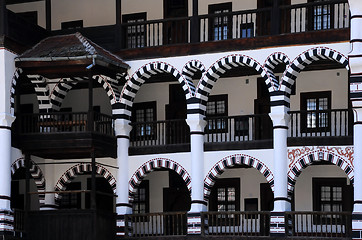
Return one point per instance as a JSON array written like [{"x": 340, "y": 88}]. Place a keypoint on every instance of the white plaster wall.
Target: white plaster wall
[
  {"x": 7, "y": 70},
  {"x": 335, "y": 81},
  {"x": 158, "y": 180},
  {"x": 38, "y": 6},
  {"x": 303, "y": 188}
]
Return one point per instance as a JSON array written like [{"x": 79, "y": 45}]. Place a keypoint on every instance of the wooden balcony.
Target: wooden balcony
[
  {"x": 62, "y": 135},
  {"x": 326, "y": 21},
  {"x": 75, "y": 224},
  {"x": 65, "y": 135}
]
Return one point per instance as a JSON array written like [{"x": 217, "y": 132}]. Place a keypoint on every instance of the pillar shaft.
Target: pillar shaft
[{"x": 6, "y": 216}]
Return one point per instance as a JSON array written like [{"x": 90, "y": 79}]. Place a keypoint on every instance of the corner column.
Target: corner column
[
  {"x": 355, "y": 64},
  {"x": 6, "y": 215},
  {"x": 197, "y": 125},
  {"x": 123, "y": 207},
  {"x": 280, "y": 118}
]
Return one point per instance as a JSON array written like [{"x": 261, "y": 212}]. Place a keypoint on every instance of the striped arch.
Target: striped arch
[
  {"x": 231, "y": 161},
  {"x": 123, "y": 108},
  {"x": 62, "y": 88},
  {"x": 79, "y": 169},
  {"x": 14, "y": 81},
  {"x": 36, "y": 174},
  {"x": 316, "y": 156},
  {"x": 221, "y": 66},
  {"x": 152, "y": 165},
  {"x": 306, "y": 58},
  {"x": 189, "y": 71},
  {"x": 274, "y": 60}
]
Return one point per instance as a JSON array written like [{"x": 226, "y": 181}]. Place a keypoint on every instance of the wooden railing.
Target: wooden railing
[
  {"x": 237, "y": 223},
  {"x": 314, "y": 16},
  {"x": 238, "y": 128},
  {"x": 321, "y": 123},
  {"x": 159, "y": 133},
  {"x": 19, "y": 219},
  {"x": 156, "y": 224},
  {"x": 319, "y": 224},
  {"x": 57, "y": 122},
  {"x": 296, "y": 18}
]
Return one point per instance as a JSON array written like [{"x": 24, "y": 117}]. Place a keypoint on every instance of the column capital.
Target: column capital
[
  {"x": 122, "y": 127},
  {"x": 196, "y": 122},
  {"x": 6, "y": 120},
  {"x": 280, "y": 116},
  {"x": 357, "y": 114}
]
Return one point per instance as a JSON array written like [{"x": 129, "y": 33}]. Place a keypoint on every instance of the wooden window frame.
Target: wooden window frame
[
  {"x": 223, "y": 120},
  {"x": 148, "y": 126},
  {"x": 304, "y": 114},
  {"x": 317, "y": 184},
  {"x": 313, "y": 18},
  {"x": 138, "y": 31},
  {"x": 213, "y": 8},
  {"x": 214, "y": 202},
  {"x": 146, "y": 185}
]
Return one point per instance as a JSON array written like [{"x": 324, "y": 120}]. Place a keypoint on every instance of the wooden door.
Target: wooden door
[
  {"x": 263, "y": 123},
  {"x": 175, "y": 31}
]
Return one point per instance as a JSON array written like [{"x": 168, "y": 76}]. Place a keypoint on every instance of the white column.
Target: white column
[
  {"x": 122, "y": 129},
  {"x": 357, "y": 162},
  {"x": 49, "y": 199},
  {"x": 5, "y": 159},
  {"x": 197, "y": 125},
  {"x": 5, "y": 173},
  {"x": 280, "y": 118}
]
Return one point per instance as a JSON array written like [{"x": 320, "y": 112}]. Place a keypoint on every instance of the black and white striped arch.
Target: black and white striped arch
[
  {"x": 123, "y": 108},
  {"x": 232, "y": 161},
  {"x": 152, "y": 165},
  {"x": 317, "y": 156}
]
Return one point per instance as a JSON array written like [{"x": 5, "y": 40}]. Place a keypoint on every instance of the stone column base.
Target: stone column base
[
  {"x": 277, "y": 224},
  {"x": 195, "y": 224},
  {"x": 356, "y": 225}
]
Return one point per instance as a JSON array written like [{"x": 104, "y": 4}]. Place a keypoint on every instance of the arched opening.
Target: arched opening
[
  {"x": 77, "y": 194},
  {"x": 229, "y": 86},
  {"x": 164, "y": 196},
  {"x": 159, "y": 119},
  {"x": 240, "y": 198}
]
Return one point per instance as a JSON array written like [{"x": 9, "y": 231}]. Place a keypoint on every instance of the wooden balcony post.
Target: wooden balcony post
[
  {"x": 280, "y": 118},
  {"x": 3, "y": 18},
  {"x": 90, "y": 126},
  {"x": 48, "y": 14},
  {"x": 275, "y": 18},
  {"x": 93, "y": 181},
  {"x": 195, "y": 23}
]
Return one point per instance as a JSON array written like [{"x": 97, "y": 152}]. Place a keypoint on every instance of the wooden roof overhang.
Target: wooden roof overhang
[{"x": 69, "y": 56}]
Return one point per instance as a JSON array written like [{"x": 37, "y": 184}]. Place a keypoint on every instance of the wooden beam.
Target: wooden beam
[
  {"x": 118, "y": 11},
  {"x": 195, "y": 23},
  {"x": 3, "y": 18},
  {"x": 48, "y": 14}
]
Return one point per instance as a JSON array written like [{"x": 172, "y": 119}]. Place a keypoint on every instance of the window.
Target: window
[
  {"x": 242, "y": 127},
  {"x": 331, "y": 195},
  {"x": 322, "y": 16},
  {"x": 135, "y": 32},
  {"x": 141, "y": 198},
  {"x": 144, "y": 114},
  {"x": 71, "y": 200},
  {"x": 72, "y": 24},
  {"x": 247, "y": 30},
  {"x": 315, "y": 106},
  {"x": 220, "y": 26},
  {"x": 216, "y": 112},
  {"x": 225, "y": 196}
]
